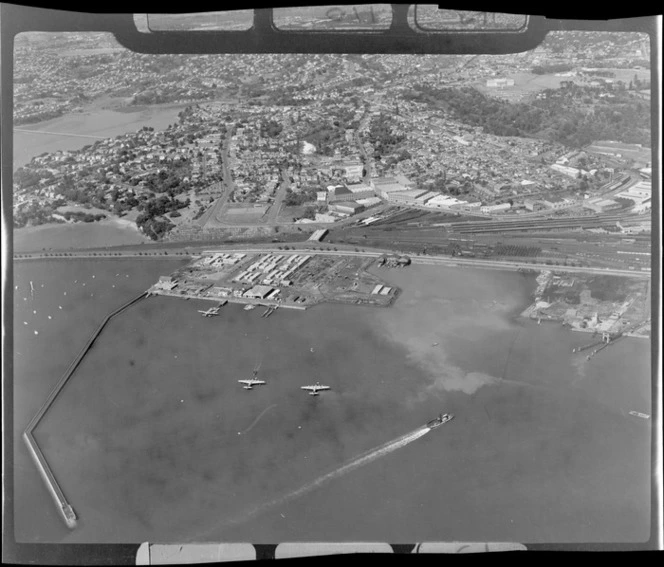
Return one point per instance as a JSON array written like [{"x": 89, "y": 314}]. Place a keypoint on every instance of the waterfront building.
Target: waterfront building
[{"x": 259, "y": 292}]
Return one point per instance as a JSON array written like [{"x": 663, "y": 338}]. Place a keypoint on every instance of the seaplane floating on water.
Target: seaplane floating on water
[
  {"x": 249, "y": 383},
  {"x": 639, "y": 414},
  {"x": 210, "y": 312},
  {"x": 315, "y": 388}
]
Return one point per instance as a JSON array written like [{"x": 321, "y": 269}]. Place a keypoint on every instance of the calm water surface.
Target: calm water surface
[
  {"x": 99, "y": 123},
  {"x": 144, "y": 438}
]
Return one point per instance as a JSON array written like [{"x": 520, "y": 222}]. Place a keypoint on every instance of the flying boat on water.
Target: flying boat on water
[
  {"x": 249, "y": 383},
  {"x": 639, "y": 414},
  {"x": 315, "y": 388},
  {"x": 209, "y": 312}
]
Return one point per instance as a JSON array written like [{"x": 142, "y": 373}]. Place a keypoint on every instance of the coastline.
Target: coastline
[{"x": 65, "y": 236}]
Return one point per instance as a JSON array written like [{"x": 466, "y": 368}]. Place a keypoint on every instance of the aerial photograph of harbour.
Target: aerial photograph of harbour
[{"x": 332, "y": 297}]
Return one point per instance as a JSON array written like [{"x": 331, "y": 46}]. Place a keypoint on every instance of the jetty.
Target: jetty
[
  {"x": 64, "y": 507},
  {"x": 269, "y": 311},
  {"x": 586, "y": 347}
]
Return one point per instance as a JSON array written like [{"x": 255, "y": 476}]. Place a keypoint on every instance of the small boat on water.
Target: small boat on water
[
  {"x": 639, "y": 414},
  {"x": 440, "y": 420},
  {"x": 249, "y": 307}
]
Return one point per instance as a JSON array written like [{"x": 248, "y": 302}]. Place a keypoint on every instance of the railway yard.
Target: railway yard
[{"x": 619, "y": 241}]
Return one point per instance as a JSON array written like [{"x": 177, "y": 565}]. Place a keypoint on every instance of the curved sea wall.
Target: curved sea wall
[{"x": 52, "y": 485}]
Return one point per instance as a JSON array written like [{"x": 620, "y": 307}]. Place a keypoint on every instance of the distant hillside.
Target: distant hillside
[{"x": 572, "y": 115}]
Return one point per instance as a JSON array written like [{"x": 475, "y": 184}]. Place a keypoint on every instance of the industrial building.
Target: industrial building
[
  {"x": 445, "y": 202},
  {"x": 569, "y": 171},
  {"x": 383, "y": 186},
  {"x": 221, "y": 259},
  {"x": 166, "y": 283},
  {"x": 350, "y": 170},
  {"x": 272, "y": 269},
  {"x": 555, "y": 202},
  {"x": 348, "y": 207},
  {"x": 361, "y": 191},
  {"x": 408, "y": 197},
  {"x": 369, "y": 202},
  {"x": 601, "y": 205},
  {"x": 489, "y": 209}
]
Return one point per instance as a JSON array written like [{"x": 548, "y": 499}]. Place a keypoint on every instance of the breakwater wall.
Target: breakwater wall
[{"x": 52, "y": 485}]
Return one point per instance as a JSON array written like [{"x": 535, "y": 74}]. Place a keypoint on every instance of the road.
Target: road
[
  {"x": 284, "y": 185},
  {"x": 365, "y": 158},
  {"x": 348, "y": 250},
  {"x": 211, "y": 215}
]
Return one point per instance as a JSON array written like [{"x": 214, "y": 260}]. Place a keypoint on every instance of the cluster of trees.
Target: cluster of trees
[
  {"x": 309, "y": 213},
  {"x": 271, "y": 129},
  {"x": 33, "y": 214},
  {"x": 558, "y": 117},
  {"x": 401, "y": 156},
  {"x": 295, "y": 199},
  {"x": 600, "y": 73},
  {"x": 80, "y": 216},
  {"x": 39, "y": 116},
  {"x": 169, "y": 180},
  {"x": 607, "y": 288},
  {"x": 157, "y": 206},
  {"x": 151, "y": 220},
  {"x": 156, "y": 96},
  {"x": 551, "y": 68},
  {"x": 382, "y": 137},
  {"x": 25, "y": 177},
  {"x": 325, "y": 137}
]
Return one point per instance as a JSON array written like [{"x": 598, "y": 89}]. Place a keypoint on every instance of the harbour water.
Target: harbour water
[
  {"x": 82, "y": 129},
  {"x": 144, "y": 438}
]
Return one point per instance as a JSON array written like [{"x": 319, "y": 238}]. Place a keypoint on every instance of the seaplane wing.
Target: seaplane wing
[
  {"x": 209, "y": 313},
  {"x": 315, "y": 387},
  {"x": 252, "y": 382}
]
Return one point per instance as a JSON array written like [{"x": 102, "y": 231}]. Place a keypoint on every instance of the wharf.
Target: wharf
[{"x": 231, "y": 299}]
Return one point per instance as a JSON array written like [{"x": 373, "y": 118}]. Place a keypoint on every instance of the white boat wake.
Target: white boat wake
[
  {"x": 363, "y": 459},
  {"x": 253, "y": 423},
  {"x": 359, "y": 461}
]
